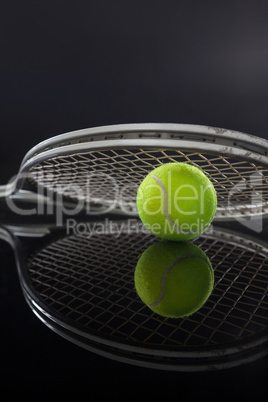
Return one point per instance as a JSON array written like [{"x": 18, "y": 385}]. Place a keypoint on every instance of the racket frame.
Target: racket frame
[
  {"x": 186, "y": 137},
  {"x": 208, "y": 357}
]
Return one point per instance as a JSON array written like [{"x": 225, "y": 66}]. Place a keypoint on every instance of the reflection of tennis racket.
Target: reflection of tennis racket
[
  {"x": 104, "y": 166},
  {"x": 82, "y": 287}
]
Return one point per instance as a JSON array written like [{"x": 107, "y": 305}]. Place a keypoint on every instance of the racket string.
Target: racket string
[
  {"x": 106, "y": 175},
  {"x": 91, "y": 284}
]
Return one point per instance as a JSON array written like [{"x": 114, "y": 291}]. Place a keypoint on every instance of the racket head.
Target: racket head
[
  {"x": 104, "y": 166},
  {"x": 82, "y": 287}
]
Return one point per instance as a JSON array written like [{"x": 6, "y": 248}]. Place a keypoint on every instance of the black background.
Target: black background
[{"x": 71, "y": 65}]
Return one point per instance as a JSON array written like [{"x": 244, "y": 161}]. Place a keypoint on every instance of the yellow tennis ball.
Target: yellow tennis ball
[
  {"x": 174, "y": 279},
  {"x": 176, "y": 201}
]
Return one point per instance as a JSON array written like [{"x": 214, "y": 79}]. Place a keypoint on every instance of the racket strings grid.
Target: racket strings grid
[
  {"x": 88, "y": 284},
  {"x": 113, "y": 176}
]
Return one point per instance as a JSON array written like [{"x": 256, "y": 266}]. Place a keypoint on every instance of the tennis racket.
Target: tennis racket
[
  {"x": 81, "y": 285},
  {"x": 98, "y": 170}
]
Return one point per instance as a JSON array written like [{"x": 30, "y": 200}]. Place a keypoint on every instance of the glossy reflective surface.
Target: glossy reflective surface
[
  {"x": 81, "y": 284},
  {"x": 91, "y": 286}
]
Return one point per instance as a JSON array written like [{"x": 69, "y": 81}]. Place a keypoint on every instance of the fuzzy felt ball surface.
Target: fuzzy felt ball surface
[
  {"x": 176, "y": 201},
  {"x": 174, "y": 279}
]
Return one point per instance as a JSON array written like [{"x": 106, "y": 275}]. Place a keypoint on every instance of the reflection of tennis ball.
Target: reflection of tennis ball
[
  {"x": 174, "y": 279},
  {"x": 176, "y": 201}
]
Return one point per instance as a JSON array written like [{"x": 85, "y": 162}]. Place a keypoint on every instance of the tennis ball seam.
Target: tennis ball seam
[
  {"x": 168, "y": 218},
  {"x": 164, "y": 276}
]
